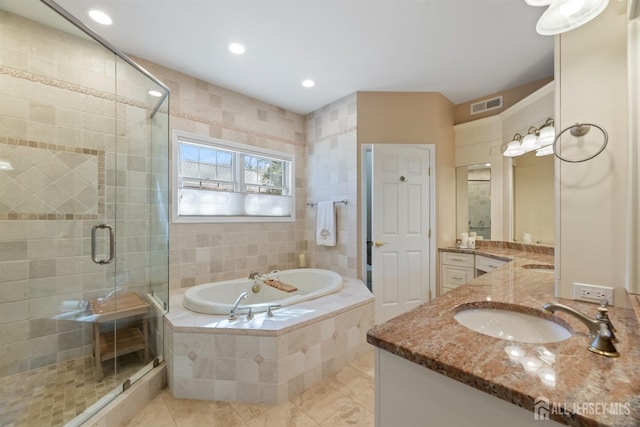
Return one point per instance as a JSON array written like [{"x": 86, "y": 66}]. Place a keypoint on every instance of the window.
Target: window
[{"x": 221, "y": 181}]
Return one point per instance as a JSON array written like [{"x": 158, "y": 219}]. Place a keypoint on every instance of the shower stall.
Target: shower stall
[{"x": 83, "y": 217}]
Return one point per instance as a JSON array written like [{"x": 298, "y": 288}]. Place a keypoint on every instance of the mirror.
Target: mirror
[
  {"x": 473, "y": 193},
  {"x": 532, "y": 208},
  {"x": 533, "y": 199}
]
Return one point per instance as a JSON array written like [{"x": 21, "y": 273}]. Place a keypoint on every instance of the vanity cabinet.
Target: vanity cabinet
[
  {"x": 455, "y": 269},
  {"x": 407, "y": 392},
  {"x": 486, "y": 264},
  {"x": 458, "y": 268}
]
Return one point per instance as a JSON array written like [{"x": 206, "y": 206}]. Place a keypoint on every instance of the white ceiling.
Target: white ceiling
[{"x": 464, "y": 49}]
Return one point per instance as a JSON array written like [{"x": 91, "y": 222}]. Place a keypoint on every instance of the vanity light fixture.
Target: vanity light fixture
[
  {"x": 530, "y": 140},
  {"x": 514, "y": 148},
  {"x": 539, "y": 139},
  {"x": 545, "y": 151},
  {"x": 237, "y": 48},
  {"x": 547, "y": 133},
  {"x": 100, "y": 17},
  {"x": 565, "y": 15}
]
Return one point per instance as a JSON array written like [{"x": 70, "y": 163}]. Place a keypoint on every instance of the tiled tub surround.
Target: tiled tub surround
[
  {"x": 265, "y": 360},
  {"x": 431, "y": 337}
]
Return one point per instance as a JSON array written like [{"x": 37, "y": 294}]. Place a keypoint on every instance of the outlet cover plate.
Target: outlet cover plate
[{"x": 592, "y": 293}]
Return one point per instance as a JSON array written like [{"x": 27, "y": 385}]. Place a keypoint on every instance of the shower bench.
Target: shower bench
[{"x": 125, "y": 305}]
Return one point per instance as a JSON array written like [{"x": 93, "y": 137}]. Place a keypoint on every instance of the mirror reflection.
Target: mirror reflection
[
  {"x": 533, "y": 199},
  {"x": 474, "y": 200}
]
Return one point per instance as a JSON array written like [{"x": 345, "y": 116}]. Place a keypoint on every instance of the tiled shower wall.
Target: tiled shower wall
[
  {"x": 71, "y": 140},
  {"x": 201, "y": 253},
  {"x": 332, "y": 175}
]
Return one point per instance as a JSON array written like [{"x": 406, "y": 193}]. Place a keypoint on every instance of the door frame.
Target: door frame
[{"x": 364, "y": 199}]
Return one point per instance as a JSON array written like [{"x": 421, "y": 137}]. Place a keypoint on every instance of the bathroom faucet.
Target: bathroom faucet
[
  {"x": 599, "y": 328},
  {"x": 232, "y": 313},
  {"x": 254, "y": 275},
  {"x": 103, "y": 300}
]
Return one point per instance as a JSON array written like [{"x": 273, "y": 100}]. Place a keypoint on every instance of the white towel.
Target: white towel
[{"x": 326, "y": 224}]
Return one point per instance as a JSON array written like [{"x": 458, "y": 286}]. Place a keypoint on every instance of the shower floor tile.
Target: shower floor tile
[{"x": 53, "y": 395}]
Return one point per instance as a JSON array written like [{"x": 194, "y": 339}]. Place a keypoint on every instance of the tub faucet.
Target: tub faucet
[
  {"x": 232, "y": 313},
  {"x": 254, "y": 275},
  {"x": 598, "y": 328}
]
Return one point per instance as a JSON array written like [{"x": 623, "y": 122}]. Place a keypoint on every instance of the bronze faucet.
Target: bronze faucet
[{"x": 600, "y": 328}]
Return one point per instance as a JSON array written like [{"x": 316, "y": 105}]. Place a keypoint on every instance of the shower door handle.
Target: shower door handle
[{"x": 112, "y": 244}]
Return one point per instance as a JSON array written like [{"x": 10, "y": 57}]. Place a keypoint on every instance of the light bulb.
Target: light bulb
[{"x": 571, "y": 7}]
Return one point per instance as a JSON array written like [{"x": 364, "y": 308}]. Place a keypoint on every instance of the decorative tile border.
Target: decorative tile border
[
  {"x": 48, "y": 81},
  {"x": 32, "y": 216}
]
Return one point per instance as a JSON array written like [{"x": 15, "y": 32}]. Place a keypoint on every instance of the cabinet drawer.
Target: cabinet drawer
[
  {"x": 455, "y": 276},
  {"x": 459, "y": 260},
  {"x": 487, "y": 264}
]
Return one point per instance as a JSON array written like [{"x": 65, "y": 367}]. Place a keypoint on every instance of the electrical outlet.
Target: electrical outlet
[{"x": 592, "y": 293}]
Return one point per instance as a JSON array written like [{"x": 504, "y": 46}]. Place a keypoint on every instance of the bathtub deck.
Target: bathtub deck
[{"x": 353, "y": 294}]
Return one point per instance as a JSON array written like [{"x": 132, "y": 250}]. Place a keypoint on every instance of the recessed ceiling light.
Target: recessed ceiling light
[
  {"x": 100, "y": 17},
  {"x": 308, "y": 83},
  {"x": 155, "y": 93},
  {"x": 237, "y": 48}
]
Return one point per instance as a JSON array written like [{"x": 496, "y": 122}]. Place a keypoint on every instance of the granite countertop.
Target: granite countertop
[{"x": 431, "y": 337}]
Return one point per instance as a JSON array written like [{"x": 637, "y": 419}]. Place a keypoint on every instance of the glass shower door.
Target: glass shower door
[{"x": 83, "y": 240}]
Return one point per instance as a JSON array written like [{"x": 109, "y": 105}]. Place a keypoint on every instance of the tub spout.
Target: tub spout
[{"x": 232, "y": 313}]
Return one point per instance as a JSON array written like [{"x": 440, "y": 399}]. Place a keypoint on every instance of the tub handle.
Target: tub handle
[{"x": 270, "y": 309}]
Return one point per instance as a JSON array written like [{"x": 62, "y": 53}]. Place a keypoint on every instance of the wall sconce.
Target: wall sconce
[
  {"x": 565, "y": 15},
  {"x": 514, "y": 148},
  {"x": 539, "y": 139}
]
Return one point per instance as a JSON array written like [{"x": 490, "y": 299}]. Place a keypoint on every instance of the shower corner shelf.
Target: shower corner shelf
[{"x": 121, "y": 341}]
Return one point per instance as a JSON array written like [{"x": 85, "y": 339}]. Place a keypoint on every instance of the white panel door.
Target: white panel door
[{"x": 400, "y": 228}]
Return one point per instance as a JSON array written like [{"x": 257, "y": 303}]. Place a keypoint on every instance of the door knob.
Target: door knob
[{"x": 378, "y": 243}]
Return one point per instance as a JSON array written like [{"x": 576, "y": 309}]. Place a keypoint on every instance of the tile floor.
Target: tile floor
[
  {"x": 53, "y": 395},
  {"x": 346, "y": 399}
]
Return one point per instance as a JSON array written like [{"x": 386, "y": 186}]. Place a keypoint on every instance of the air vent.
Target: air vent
[{"x": 486, "y": 105}]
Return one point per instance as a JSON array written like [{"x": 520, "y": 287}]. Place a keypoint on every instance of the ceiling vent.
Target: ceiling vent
[{"x": 486, "y": 105}]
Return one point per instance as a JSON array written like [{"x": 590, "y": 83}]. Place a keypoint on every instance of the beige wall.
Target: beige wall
[
  {"x": 462, "y": 112},
  {"x": 591, "y": 74},
  {"x": 415, "y": 118}
]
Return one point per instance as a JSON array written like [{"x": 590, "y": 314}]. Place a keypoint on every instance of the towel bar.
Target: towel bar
[{"x": 344, "y": 202}]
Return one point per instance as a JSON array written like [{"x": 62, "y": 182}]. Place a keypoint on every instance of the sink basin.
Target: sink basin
[{"x": 511, "y": 325}]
